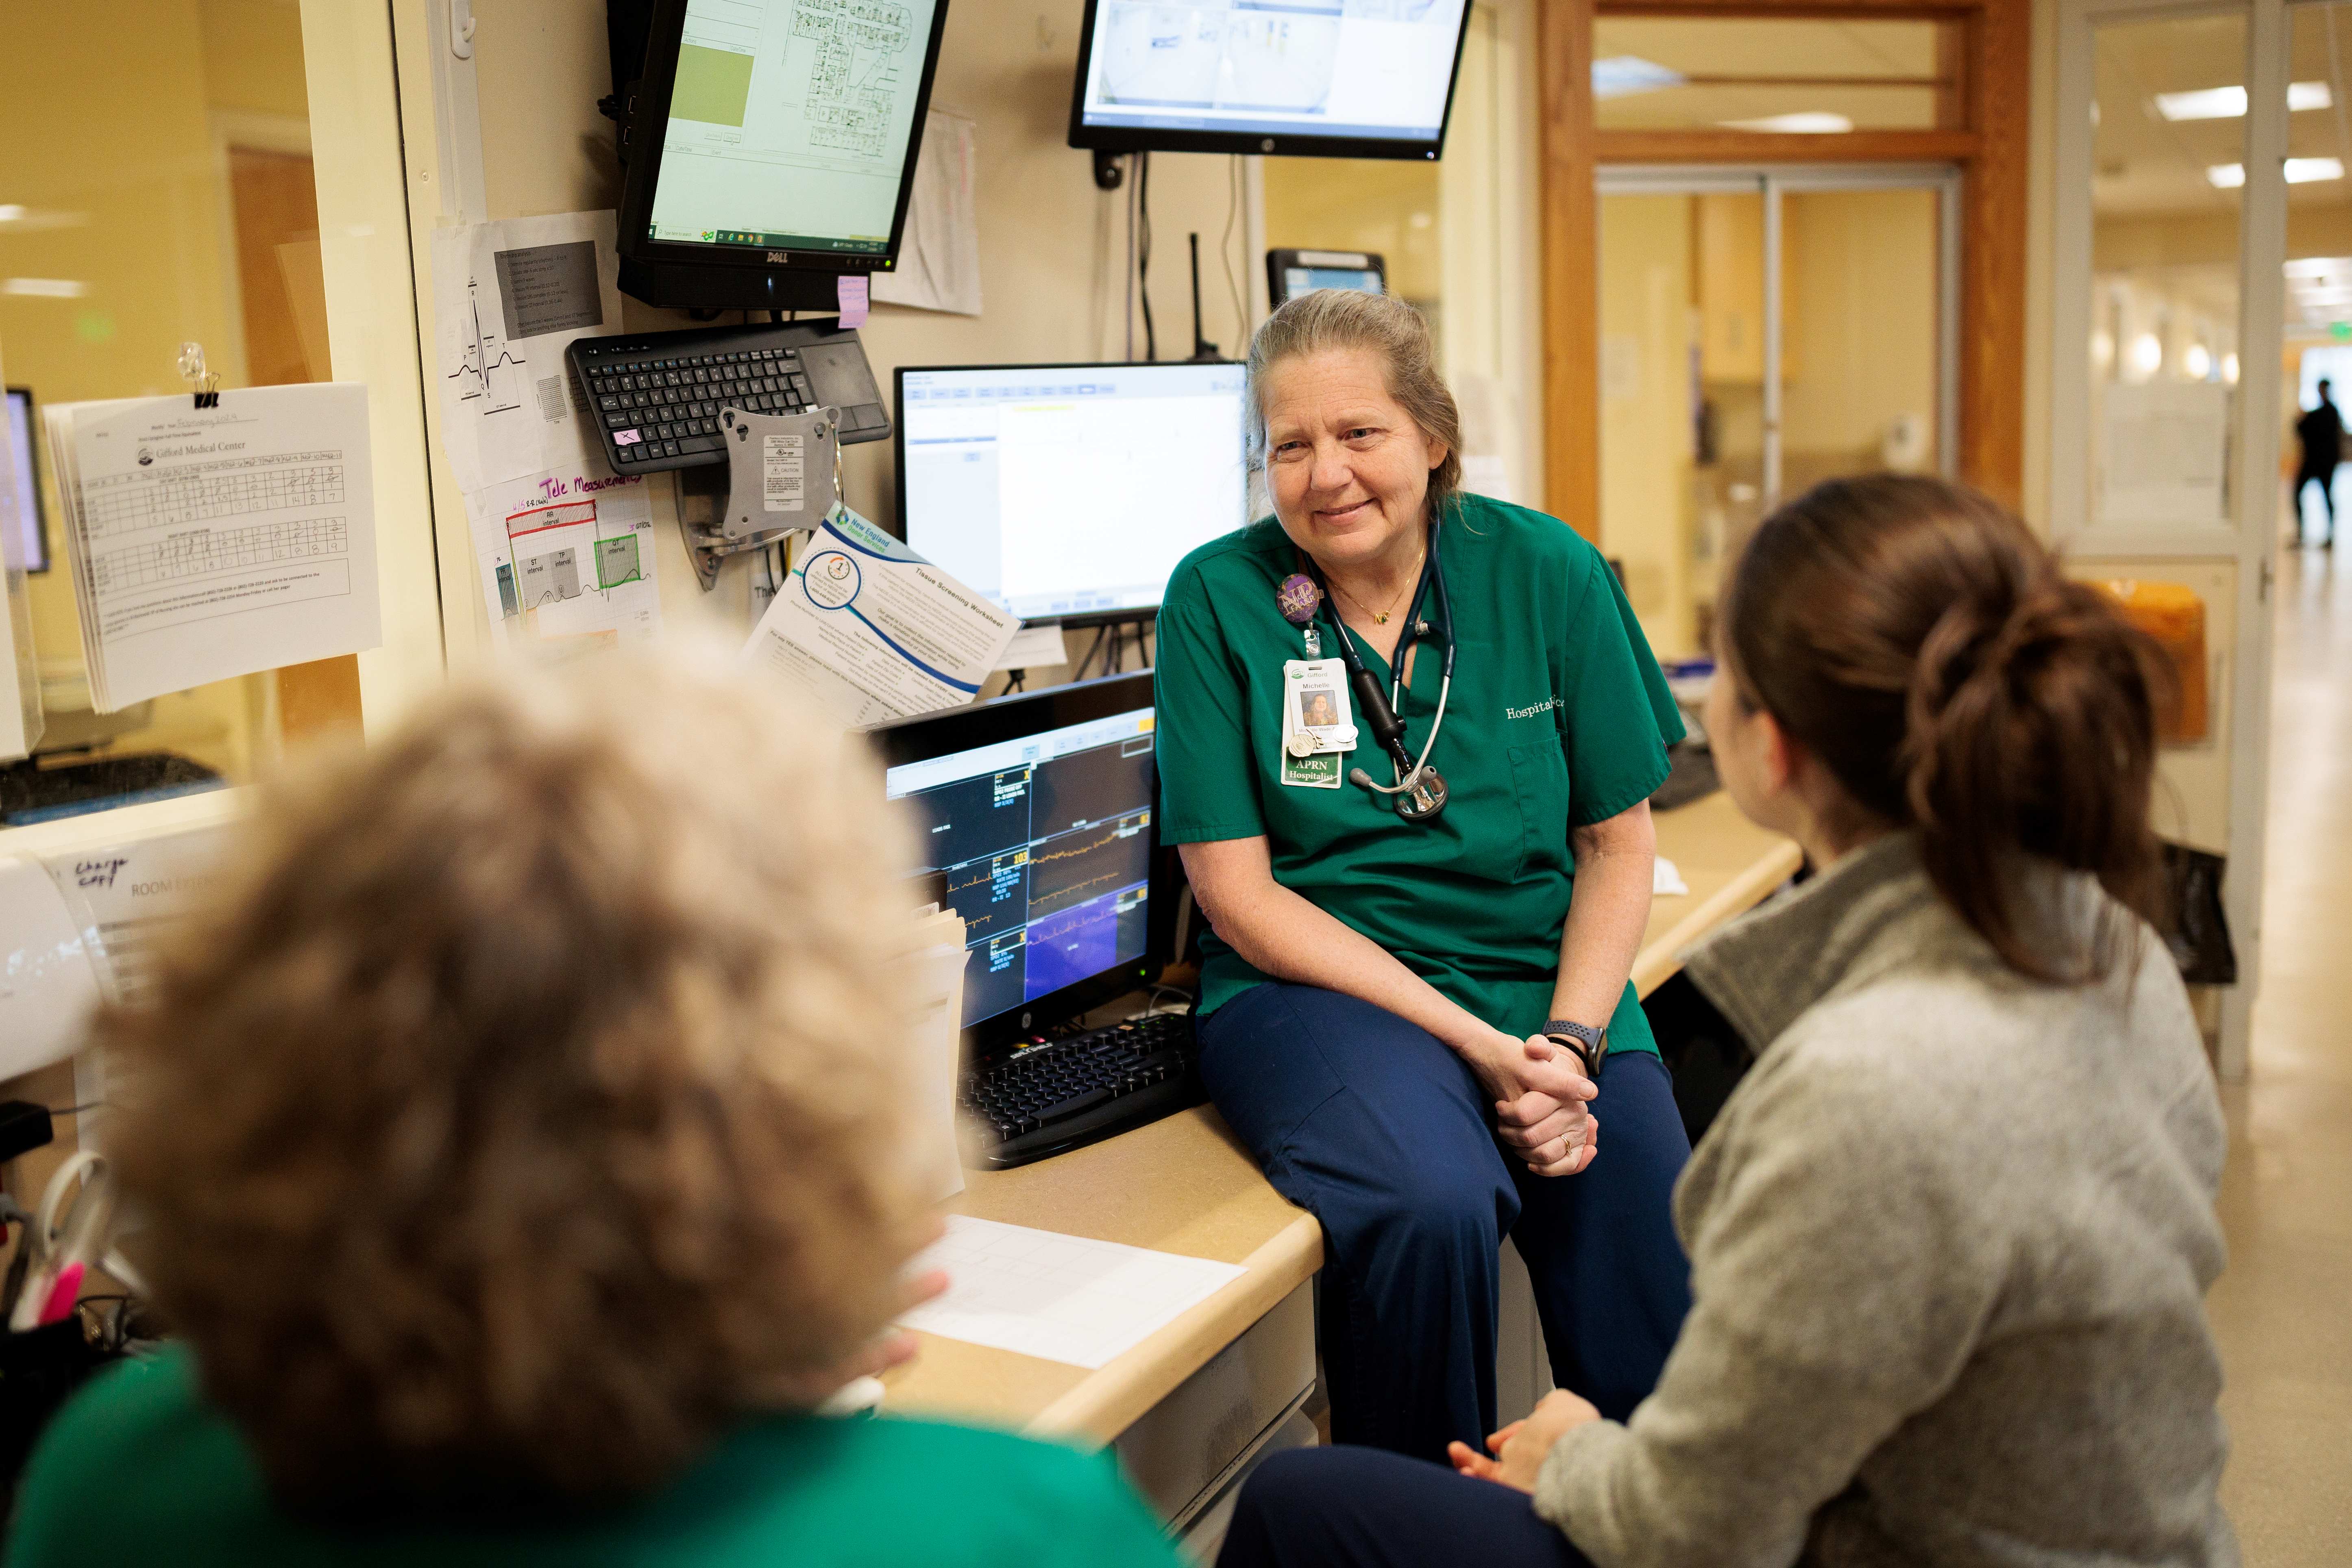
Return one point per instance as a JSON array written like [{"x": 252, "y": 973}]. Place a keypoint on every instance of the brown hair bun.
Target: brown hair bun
[{"x": 1917, "y": 638}]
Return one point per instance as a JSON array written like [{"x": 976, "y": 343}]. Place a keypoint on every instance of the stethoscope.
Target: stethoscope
[{"x": 1419, "y": 793}]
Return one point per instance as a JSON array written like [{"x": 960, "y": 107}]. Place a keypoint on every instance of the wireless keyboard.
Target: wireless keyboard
[
  {"x": 1065, "y": 1094},
  {"x": 657, "y": 396}
]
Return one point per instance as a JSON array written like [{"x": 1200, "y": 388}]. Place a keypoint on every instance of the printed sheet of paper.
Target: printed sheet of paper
[
  {"x": 509, "y": 297},
  {"x": 939, "y": 260},
  {"x": 1058, "y": 1298},
  {"x": 567, "y": 555},
  {"x": 213, "y": 542},
  {"x": 875, "y": 631}
]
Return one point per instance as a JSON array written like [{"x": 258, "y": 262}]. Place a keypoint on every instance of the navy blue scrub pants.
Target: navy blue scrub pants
[
  {"x": 1385, "y": 1134},
  {"x": 1359, "y": 1507}
]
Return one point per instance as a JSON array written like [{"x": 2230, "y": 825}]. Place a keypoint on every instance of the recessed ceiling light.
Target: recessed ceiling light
[
  {"x": 44, "y": 287},
  {"x": 2226, "y": 176},
  {"x": 1622, "y": 76},
  {"x": 2230, "y": 103},
  {"x": 1807, "y": 124}
]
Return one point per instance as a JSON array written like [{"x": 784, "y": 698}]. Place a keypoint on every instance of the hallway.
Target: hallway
[{"x": 2283, "y": 1311}]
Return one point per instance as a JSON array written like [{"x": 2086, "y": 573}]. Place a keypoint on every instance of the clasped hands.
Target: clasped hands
[{"x": 1540, "y": 1117}]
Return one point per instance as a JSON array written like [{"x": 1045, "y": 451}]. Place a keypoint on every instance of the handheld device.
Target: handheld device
[
  {"x": 1334, "y": 79},
  {"x": 1290, "y": 273},
  {"x": 770, "y": 147},
  {"x": 1069, "y": 491}
]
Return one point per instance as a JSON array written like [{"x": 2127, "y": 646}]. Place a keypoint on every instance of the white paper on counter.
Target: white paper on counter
[
  {"x": 874, "y": 630},
  {"x": 213, "y": 542},
  {"x": 1056, "y": 1297},
  {"x": 566, "y": 554},
  {"x": 508, "y": 298},
  {"x": 1036, "y": 647}
]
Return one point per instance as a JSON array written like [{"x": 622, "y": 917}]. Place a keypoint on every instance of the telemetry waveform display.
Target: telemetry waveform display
[{"x": 1048, "y": 863}]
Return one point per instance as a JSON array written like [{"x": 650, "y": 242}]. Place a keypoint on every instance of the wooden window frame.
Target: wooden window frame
[{"x": 1990, "y": 149}]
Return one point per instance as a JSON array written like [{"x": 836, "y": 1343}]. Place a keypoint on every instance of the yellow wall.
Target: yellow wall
[
  {"x": 1386, "y": 205},
  {"x": 1645, "y": 418},
  {"x": 1862, "y": 278}
]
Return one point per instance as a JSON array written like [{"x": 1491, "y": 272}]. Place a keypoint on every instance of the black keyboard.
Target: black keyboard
[
  {"x": 1068, "y": 1093},
  {"x": 657, "y": 396}
]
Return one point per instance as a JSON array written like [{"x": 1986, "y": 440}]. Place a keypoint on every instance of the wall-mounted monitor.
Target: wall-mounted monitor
[
  {"x": 1338, "y": 79},
  {"x": 772, "y": 147},
  {"x": 1290, "y": 273},
  {"x": 1071, "y": 490}
]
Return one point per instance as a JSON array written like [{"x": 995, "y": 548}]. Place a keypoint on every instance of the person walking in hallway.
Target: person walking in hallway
[{"x": 2321, "y": 431}]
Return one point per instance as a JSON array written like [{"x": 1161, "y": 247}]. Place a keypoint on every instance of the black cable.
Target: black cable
[{"x": 1143, "y": 246}]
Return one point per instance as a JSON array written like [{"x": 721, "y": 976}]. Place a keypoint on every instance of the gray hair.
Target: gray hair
[{"x": 1347, "y": 318}]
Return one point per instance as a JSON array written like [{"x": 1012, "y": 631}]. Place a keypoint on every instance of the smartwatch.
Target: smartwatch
[{"x": 1589, "y": 1044}]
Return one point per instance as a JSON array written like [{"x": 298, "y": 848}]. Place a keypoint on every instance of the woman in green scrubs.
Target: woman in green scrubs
[{"x": 1418, "y": 1025}]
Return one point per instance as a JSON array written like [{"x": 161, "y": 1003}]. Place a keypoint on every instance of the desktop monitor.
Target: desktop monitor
[
  {"x": 1069, "y": 491},
  {"x": 28, "y": 550},
  {"x": 1335, "y": 78},
  {"x": 1290, "y": 273},
  {"x": 1034, "y": 820},
  {"x": 772, "y": 146}
]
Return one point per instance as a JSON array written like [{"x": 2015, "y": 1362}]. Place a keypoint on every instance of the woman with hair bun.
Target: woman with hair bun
[{"x": 1951, "y": 1237}]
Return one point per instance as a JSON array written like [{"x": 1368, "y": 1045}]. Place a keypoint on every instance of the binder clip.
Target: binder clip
[{"x": 201, "y": 381}]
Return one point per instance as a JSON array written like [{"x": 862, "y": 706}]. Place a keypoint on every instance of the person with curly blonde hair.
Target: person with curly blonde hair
[{"x": 524, "y": 1156}]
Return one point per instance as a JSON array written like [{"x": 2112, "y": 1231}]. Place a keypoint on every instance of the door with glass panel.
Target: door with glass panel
[{"x": 1762, "y": 331}]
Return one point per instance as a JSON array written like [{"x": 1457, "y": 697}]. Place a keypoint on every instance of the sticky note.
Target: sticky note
[{"x": 852, "y": 294}]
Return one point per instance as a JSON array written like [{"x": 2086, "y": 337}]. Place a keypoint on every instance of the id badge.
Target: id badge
[{"x": 1315, "y": 706}]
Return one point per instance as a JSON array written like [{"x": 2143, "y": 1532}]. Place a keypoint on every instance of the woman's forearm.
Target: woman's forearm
[
  {"x": 1288, "y": 937},
  {"x": 1607, "y": 914}
]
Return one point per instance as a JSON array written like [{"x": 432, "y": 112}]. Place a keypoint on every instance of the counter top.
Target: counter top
[{"x": 1184, "y": 1185}]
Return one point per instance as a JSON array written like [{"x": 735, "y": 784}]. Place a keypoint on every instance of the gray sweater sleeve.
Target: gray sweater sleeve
[{"x": 1838, "y": 1282}]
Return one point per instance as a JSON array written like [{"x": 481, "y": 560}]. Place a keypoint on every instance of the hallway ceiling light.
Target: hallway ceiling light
[
  {"x": 1622, "y": 76},
  {"x": 2146, "y": 353},
  {"x": 44, "y": 287},
  {"x": 2299, "y": 171},
  {"x": 2230, "y": 103},
  {"x": 2198, "y": 362},
  {"x": 2229, "y": 369},
  {"x": 1812, "y": 122}
]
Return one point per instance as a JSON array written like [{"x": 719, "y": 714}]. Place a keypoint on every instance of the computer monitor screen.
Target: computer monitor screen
[
  {"x": 28, "y": 548},
  {"x": 1340, "y": 78},
  {"x": 1040, "y": 836},
  {"x": 1297, "y": 280},
  {"x": 1063, "y": 491},
  {"x": 787, "y": 125}
]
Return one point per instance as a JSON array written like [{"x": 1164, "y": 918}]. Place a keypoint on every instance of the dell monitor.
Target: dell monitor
[
  {"x": 1032, "y": 817},
  {"x": 1338, "y": 79},
  {"x": 1068, "y": 492},
  {"x": 28, "y": 550},
  {"x": 772, "y": 146}
]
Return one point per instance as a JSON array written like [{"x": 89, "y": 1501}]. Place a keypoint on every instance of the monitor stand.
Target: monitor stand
[{"x": 676, "y": 286}]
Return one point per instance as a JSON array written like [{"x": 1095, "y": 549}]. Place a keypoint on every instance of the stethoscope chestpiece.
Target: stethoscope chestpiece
[{"x": 1425, "y": 799}]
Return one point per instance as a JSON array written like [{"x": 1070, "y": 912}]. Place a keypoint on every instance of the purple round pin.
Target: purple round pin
[{"x": 1300, "y": 598}]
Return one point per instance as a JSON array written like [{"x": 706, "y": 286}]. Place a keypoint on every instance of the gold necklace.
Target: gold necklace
[{"x": 1380, "y": 618}]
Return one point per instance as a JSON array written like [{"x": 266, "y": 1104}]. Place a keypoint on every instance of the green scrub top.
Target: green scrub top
[{"x": 1558, "y": 717}]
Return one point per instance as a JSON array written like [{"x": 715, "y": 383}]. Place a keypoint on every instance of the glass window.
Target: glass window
[
  {"x": 158, "y": 190},
  {"x": 1798, "y": 76},
  {"x": 2168, "y": 168}
]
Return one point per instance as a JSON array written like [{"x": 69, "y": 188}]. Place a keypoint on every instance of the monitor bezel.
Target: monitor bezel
[
  {"x": 649, "y": 133},
  {"x": 1284, "y": 144},
  {"x": 898, "y": 459},
  {"x": 930, "y": 735},
  {"x": 33, "y": 476}
]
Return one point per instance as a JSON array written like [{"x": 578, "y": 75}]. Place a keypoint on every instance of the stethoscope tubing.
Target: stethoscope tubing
[{"x": 1410, "y": 778}]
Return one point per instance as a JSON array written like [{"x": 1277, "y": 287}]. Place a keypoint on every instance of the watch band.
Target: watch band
[{"x": 1589, "y": 1044}]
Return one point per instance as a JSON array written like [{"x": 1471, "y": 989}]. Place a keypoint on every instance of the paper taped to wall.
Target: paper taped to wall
[
  {"x": 509, "y": 297},
  {"x": 1056, "y": 1297},
  {"x": 212, "y": 542},
  {"x": 566, "y": 556},
  {"x": 939, "y": 259},
  {"x": 874, "y": 630}
]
